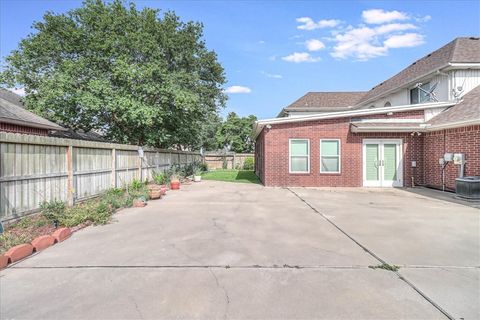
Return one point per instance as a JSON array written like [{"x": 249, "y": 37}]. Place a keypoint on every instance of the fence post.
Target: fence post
[
  {"x": 114, "y": 168},
  {"x": 70, "y": 190},
  {"x": 139, "y": 168}
]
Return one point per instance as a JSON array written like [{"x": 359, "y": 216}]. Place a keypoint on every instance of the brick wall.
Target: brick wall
[
  {"x": 276, "y": 144},
  {"x": 7, "y": 127},
  {"x": 461, "y": 140}
]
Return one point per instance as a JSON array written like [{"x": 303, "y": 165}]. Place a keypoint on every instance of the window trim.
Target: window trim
[
  {"x": 339, "y": 156},
  {"x": 290, "y": 155}
]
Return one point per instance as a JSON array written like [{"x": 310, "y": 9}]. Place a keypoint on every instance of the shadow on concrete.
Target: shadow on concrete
[{"x": 442, "y": 195}]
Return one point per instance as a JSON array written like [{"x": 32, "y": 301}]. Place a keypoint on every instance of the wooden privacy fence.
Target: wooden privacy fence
[
  {"x": 34, "y": 169},
  {"x": 229, "y": 160}
]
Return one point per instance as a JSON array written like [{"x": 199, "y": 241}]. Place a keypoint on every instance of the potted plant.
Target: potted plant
[
  {"x": 174, "y": 182},
  {"x": 160, "y": 179},
  {"x": 154, "y": 191},
  {"x": 140, "y": 202},
  {"x": 197, "y": 175}
]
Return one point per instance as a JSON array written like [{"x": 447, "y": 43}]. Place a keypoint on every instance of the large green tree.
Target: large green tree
[
  {"x": 235, "y": 133},
  {"x": 135, "y": 75}
]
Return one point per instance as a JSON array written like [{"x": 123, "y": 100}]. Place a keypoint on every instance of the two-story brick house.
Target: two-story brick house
[{"x": 396, "y": 134}]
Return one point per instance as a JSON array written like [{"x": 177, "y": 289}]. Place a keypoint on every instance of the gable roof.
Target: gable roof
[
  {"x": 12, "y": 111},
  {"x": 325, "y": 101},
  {"x": 460, "y": 50},
  {"x": 468, "y": 109}
]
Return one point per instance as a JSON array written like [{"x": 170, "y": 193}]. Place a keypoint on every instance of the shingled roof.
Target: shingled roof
[
  {"x": 468, "y": 109},
  {"x": 12, "y": 111},
  {"x": 325, "y": 101},
  {"x": 460, "y": 50}
]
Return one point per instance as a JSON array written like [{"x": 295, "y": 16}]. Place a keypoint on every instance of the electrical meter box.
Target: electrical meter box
[
  {"x": 459, "y": 158},
  {"x": 448, "y": 156}
]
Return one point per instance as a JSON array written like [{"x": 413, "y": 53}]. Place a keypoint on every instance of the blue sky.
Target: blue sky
[{"x": 274, "y": 52}]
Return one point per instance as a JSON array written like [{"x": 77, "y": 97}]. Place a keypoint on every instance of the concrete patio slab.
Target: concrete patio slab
[
  {"x": 212, "y": 224},
  {"x": 225, "y": 250},
  {"x": 119, "y": 293},
  {"x": 455, "y": 289},
  {"x": 401, "y": 227}
]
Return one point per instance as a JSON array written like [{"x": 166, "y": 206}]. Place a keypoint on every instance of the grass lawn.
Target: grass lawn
[{"x": 244, "y": 176}]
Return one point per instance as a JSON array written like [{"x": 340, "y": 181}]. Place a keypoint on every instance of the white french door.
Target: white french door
[{"x": 382, "y": 163}]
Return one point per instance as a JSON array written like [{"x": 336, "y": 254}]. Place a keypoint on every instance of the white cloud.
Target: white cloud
[
  {"x": 363, "y": 42},
  {"x": 392, "y": 27},
  {"x": 358, "y": 43},
  {"x": 307, "y": 23},
  {"x": 314, "y": 45},
  {"x": 271, "y": 75},
  {"x": 261, "y": 42},
  {"x": 238, "y": 89},
  {"x": 378, "y": 16},
  {"x": 424, "y": 18},
  {"x": 19, "y": 91},
  {"x": 298, "y": 57},
  {"x": 404, "y": 40}
]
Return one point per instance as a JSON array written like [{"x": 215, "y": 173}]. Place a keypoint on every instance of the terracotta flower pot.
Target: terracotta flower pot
[
  {"x": 139, "y": 203},
  {"x": 155, "y": 194},
  {"x": 175, "y": 185}
]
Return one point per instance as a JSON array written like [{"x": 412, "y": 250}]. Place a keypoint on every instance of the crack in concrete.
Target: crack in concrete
[
  {"x": 401, "y": 277},
  {"x": 225, "y": 292},
  {"x": 136, "y": 307}
]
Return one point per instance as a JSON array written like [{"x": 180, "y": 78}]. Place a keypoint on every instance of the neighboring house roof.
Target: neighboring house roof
[
  {"x": 460, "y": 50},
  {"x": 324, "y": 101},
  {"x": 467, "y": 110},
  {"x": 78, "y": 135},
  {"x": 12, "y": 111}
]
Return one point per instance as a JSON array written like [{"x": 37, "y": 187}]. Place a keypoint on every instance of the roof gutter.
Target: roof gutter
[
  {"x": 387, "y": 129},
  {"x": 341, "y": 114},
  {"x": 32, "y": 124},
  {"x": 452, "y": 125},
  {"x": 424, "y": 127}
]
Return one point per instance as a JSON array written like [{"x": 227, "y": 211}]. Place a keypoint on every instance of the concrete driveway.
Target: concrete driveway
[{"x": 226, "y": 250}]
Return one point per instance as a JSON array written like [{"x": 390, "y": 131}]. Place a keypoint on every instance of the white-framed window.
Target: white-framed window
[
  {"x": 330, "y": 156},
  {"x": 299, "y": 155},
  {"x": 419, "y": 95}
]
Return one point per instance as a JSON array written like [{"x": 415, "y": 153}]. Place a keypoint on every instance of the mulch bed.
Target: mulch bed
[{"x": 26, "y": 229}]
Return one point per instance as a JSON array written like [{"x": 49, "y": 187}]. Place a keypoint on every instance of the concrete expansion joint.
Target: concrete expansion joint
[
  {"x": 256, "y": 266},
  {"x": 370, "y": 252}
]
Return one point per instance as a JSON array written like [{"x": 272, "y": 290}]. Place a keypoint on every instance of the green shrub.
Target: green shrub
[
  {"x": 204, "y": 166},
  {"x": 248, "y": 163},
  {"x": 136, "y": 184},
  {"x": 52, "y": 210},
  {"x": 159, "y": 178}
]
